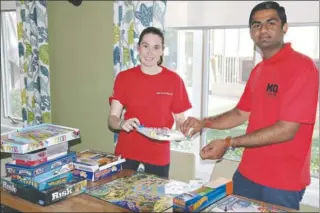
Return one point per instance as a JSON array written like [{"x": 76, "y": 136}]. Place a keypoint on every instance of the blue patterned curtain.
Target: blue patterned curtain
[
  {"x": 130, "y": 19},
  {"x": 34, "y": 61}
]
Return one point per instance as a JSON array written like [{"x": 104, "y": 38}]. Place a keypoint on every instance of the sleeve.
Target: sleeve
[
  {"x": 244, "y": 103},
  {"x": 299, "y": 102},
  {"x": 181, "y": 102},
  {"x": 118, "y": 90}
]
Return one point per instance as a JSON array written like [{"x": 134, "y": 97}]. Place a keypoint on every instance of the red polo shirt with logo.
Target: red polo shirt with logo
[
  {"x": 153, "y": 99},
  {"x": 283, "y": 87}
]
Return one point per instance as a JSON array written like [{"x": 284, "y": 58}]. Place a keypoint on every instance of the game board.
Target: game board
[
  {"x": 37, "y": 137},
  {"x": 162, "y": 134},
  {"x": 140, "y": 192},
  {"x": 233, "y": 203}
]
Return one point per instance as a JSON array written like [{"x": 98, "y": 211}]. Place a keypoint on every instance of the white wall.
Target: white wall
[
  {"x": 8, "y": 5},
  {"x": 232, "y": 13}
]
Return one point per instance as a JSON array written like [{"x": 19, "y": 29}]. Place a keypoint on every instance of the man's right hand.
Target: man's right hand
[{"x": 192, "y": 123}]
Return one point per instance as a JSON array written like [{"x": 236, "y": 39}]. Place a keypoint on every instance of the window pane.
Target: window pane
[
  {"x": 10, "y": 74},
  {"x": 231, "y": 61},
  {"x": 304, "y": 39},
  {"x": 183, "y": 54}
]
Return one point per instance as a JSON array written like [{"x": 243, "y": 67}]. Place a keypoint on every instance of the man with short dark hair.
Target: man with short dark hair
[{"x": 279, "y": 101}]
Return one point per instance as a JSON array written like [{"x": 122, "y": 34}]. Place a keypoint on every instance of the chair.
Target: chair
[
  {"x": 182, "y": 166},
  {"x": 224, "y": 168}
]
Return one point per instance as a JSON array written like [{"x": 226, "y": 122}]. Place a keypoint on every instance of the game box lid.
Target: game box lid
[
  {"x": 92, "y": 160},
  {"x": 36, "y": 137}
]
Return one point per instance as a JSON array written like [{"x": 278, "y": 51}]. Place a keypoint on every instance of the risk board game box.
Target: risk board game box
[
  {"x": 36, "y": 137},
  {"x": 197, "y": 200},
  {"x": 47, "y": 197}
]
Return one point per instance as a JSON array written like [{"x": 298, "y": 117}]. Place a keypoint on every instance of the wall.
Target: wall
[
  {"x": 81, "y": 69},
  {"x": 233, "y": 13}
]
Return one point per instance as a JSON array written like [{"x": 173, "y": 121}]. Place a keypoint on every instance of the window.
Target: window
[
  {"x": 10, "y": 73},
  {"x": 183, "y": 54},
  {"x": 306, "y": 40},
  {"x": 215, "y": 65}
]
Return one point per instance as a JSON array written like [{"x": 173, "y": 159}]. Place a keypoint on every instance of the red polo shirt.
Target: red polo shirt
[
  {"x": 153, "y": 99},
  {"x": 283, "y": 87}
]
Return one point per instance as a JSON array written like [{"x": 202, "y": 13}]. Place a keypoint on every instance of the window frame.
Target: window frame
[
  {"x": 7, "y": 120},
  {"x": 206, "y": 62}
]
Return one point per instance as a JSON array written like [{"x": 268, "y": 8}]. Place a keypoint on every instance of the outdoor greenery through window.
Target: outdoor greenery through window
[{"x": 219, "y": 73}]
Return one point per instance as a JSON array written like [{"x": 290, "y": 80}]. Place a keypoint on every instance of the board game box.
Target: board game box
[
  {"x": 232, "y": 203},
  {"x": 43, "y": 184},
  {"x": 37, "y": 137},
  {"x": 40, "y": 156},
  {"x": 95, "y": 165},
  {"x": 47, "y": 197},
  {"x": 195, "y": 201},
  {"x": 140, "y": 192},
  {"x": 99, "y": 174},
  {"x": 32, "y": 171},
  {"x": 92, "y": 160}
]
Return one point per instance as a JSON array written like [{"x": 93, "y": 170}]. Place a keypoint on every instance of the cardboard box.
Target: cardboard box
[
  {"x": 31, "y": 171},
  {"x": 43, "y": 184},
  {"x": 199, "y": 199},
  {"x": 99, "y": 174},
  {"x": 36, "y": 137},
  {"x": 47, "y": 197}
]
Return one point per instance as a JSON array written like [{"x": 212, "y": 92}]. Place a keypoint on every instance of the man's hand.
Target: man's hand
[
  {"x": 194, "y": 123},
  {"x": 129, "y": 125},
  {"x": 214, "y": 150}
]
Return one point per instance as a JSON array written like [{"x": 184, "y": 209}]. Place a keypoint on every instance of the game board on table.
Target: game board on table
[
  {"x": 140, "y": 192},
  {"x": 233, "y": 203},
  {"x": 36, "y": 137},
  {"x": 162, "y": 134}
]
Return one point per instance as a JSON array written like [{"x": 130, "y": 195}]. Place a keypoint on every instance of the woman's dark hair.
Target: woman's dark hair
[
  {"x": 270, "y": 5},
  {"x": 154, "y": 31}
]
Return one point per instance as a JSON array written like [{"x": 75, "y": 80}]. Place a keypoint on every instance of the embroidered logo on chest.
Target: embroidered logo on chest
[{"x": 164, "y": 93}]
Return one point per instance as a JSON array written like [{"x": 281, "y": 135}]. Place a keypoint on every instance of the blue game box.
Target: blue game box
[
  {"x": 50, "y": 166},
  {"x": 196, "y": 201}
]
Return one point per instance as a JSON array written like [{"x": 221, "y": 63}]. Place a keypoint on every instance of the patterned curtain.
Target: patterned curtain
[
  {"x": 34, "y": 61},
  {"x": 130, "y": 19}
]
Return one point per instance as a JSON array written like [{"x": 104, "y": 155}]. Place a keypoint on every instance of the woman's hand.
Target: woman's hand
[{"x": 130, "y": 124}]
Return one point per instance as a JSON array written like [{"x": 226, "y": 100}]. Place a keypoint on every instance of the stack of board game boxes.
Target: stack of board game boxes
[
  {"x": 42, "y": 167},
  {"x": 94, "y": 165}
]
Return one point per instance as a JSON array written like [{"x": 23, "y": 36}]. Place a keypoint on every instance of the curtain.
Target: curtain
[
  {"x": 34, "y": 61},
  {"x": 130, "y": 19}
]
